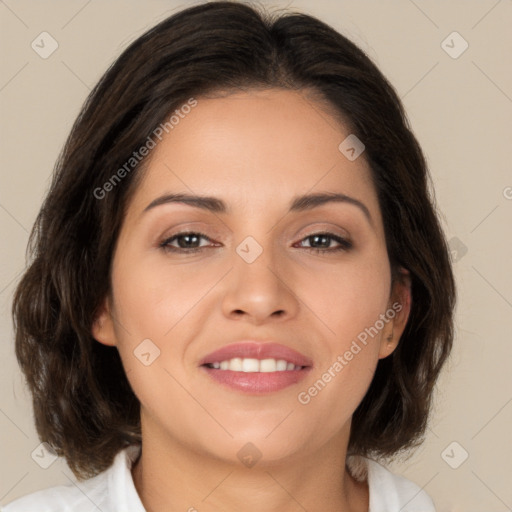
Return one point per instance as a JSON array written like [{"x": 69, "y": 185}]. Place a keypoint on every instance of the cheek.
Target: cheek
[
  {"x": 348, "y": 301},
  {"x": 349, "y": 297},
  {"x": 334, "y": 393},
  {"x": 160, "y": 309},
  {"x": 153, "y": 296}
]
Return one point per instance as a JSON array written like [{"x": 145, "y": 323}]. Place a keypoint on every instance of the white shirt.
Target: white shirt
[{"x": 113, "y": 490}]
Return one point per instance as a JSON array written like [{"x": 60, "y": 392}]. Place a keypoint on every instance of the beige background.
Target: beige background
[{"x": 459, "y": 108}]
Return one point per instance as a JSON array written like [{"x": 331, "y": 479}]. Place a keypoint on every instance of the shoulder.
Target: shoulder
[
  {"x": 390, "y": 492},
  {"x": 97, "y": 493}
]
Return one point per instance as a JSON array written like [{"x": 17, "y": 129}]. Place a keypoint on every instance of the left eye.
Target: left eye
[
  {"x": 187, "y": 242},
  {"x": 324, "y": 239}
]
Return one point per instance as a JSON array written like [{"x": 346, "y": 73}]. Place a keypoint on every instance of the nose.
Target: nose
[{"x": 259, "y": 292}]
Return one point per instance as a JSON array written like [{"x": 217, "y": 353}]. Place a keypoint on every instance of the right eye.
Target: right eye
[{"x": 186, "y": 240}]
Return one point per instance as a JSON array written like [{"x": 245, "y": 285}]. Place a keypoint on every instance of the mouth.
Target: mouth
[
  {"x": 256, "y": 368},
  {"x": 250, "y": 365}
]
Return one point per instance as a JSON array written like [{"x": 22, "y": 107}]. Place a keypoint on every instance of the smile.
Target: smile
[{"x": 250, "y": 365}]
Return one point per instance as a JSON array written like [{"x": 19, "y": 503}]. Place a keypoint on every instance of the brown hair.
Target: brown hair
[{"x": 83, "y": 404}]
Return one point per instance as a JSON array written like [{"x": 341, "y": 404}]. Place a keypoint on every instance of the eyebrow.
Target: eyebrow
[{"x": 298, "y": 203}]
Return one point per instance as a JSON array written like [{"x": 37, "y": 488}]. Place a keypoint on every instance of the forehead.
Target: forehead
[{"x": 255, "y": 150}]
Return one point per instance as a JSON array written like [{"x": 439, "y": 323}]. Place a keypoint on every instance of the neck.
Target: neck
[{"x": 171, "y": 476}]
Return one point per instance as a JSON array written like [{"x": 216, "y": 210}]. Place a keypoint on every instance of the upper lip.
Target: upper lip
[{"x": 256, "y": 350}]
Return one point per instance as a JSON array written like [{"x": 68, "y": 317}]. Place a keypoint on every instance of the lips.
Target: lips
[
  {"x": 291, "y": 367},
  {"x": 255, "y": 350}
]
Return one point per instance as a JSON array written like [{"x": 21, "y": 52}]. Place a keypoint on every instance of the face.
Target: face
[{"x": 311, "y": 283}]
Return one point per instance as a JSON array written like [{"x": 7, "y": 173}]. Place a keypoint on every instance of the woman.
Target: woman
[{"x": 240, "y": 296}]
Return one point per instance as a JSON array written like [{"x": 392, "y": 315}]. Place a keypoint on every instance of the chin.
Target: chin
[{"x": 261, "y": 446}]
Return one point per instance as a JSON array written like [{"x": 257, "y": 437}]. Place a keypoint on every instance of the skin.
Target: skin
[{"x": 256, "y": 151}]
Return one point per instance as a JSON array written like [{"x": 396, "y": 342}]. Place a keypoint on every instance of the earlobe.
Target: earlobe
[
  {"x": 103, "y": 326},
  {"x": 388, "y": 344},
  {"x": 398, "y": 311}
]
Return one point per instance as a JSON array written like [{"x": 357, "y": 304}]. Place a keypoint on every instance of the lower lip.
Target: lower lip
[{"x": 256, "y": 382}]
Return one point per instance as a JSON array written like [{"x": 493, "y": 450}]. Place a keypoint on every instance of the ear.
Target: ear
[
  {"x": 399, "y": 307},
  {"x": 103, "y": 324}
]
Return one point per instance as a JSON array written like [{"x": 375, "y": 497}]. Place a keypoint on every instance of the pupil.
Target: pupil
[
  {"x": 321, "y": 237},
  {"x": 187, "y": 238}
]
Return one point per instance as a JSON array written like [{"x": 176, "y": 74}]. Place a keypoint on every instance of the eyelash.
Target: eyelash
[{"x": 345, "y": 245}]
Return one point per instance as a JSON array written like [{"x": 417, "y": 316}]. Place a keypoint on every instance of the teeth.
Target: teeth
[
  {"x": 268, "y": 365},
  {"x": 235, "y": 365},
  {"x": 281, "y": 365},
  {"x": 250, "y": 365}
]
